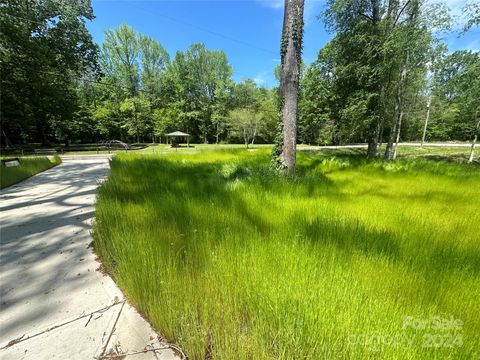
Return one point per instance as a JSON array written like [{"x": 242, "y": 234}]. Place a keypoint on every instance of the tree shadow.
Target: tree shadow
[
  {"x": 44, "y": 256},
  {"x": 207, "y": 183}
]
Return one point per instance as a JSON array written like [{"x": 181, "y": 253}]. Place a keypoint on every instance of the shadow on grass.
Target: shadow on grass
[{"x": 177, "y": 185}]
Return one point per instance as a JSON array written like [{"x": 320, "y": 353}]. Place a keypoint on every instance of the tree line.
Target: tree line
[
  {"x": 60, "y": 87},
  {"x": 383, "y": 77}
]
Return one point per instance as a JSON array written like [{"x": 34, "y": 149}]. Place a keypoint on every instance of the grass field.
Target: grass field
[
  {"x": 349, "y": 259},
  {"x": 29, "y": 166},
  {"x": 445, "y": 153}
]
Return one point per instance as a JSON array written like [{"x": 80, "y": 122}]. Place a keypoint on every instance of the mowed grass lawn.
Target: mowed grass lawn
[
  {"x": 28, "y": 167},
  {"x": 345, "y": 260}
]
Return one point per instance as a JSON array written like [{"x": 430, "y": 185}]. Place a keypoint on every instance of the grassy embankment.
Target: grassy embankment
[
  {"x": 228, "y": 260},
  {"x": 28, "y": 167}
]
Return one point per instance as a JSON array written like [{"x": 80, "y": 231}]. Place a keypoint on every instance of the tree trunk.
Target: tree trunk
[
  {"x": 290, "y": 54},
  {"x": 373, "y": 141},
  {"x": 472, "y": 149},
  {"x": 399, "y": 128},
  {"x": 375, "y": 125},
  {"x": 380, "y": 135},
  {"x": 429, "y": 101},
  {"x": 474, "y": 142},
  {"x": 382, "y": 118},
  {"x": 217, "y": 134},
  {"x": 395, "y": 133}
]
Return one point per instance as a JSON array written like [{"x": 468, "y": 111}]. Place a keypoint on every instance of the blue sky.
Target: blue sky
[{"x": 247, "y": 30}]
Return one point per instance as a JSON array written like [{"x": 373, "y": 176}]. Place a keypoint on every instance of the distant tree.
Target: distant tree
[
  {"x": 153, "y": 59},
  {"x": 269, "y": 115},
  {"x": 109, "y": 120},
  {"x": 134, "y": 72},
  {"x": 165, "y": 120},
  {"x": 244, "y": 123},
  {"x": 138, "y": 116},
  {"x": 457, "y": 91},
  {"x": 121, "y": 51},
  {"x": 315, "y": 122},
  {"x": 472, "y": 15},
  {"x": 200, "y": 80},
  {"x": 44, "y": 46},
  {"x": 246, "y": 95}
]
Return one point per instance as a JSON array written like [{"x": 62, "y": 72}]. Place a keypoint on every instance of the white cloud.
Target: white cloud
[
  {"x": 260, "y": 80},
  {"x": 264, "y": 78}
]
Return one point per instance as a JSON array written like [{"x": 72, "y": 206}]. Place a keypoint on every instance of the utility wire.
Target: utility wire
[
  {"x": 211, "y": 32},
  {"x": 204, "y": 29},
  {"x": 180, "y": 22}
]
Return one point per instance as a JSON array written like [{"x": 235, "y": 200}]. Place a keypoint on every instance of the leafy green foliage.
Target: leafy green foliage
[
  {"x": 244, "y": 124},
  {"x": 59, "y": 87},
  {"x": 45, "y": 47},
  {"x": 456, "y": 95}
]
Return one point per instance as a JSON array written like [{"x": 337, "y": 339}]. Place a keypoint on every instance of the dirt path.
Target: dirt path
[{"x": 54, "y": 304}]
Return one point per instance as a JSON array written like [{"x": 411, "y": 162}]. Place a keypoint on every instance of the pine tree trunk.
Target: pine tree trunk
[{"x": 290, "y": 53}]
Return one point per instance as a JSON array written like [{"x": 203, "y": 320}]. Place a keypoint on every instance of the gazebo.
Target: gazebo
[{"x": 177, "y": 135}]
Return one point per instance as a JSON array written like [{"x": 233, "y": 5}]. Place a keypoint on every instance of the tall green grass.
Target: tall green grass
[
  {"x": 230, "y": 261},
  {"x": 28, "y": 167}
]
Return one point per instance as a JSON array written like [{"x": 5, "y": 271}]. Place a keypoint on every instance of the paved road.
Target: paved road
[{"x": 54, "y": 303}]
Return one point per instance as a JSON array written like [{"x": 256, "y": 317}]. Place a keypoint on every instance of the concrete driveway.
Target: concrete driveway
[{"x": 54, "y": 302}]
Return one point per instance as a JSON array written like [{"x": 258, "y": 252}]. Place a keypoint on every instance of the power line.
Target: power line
[
  {"x": 211, "y": 32},
  {"x": 180, "y": 22}
]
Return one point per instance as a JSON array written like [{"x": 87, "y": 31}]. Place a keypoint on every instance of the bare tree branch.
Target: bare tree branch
[
  {"x": 400, "y": 12},
  {"x": 365, "y": 15}
]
